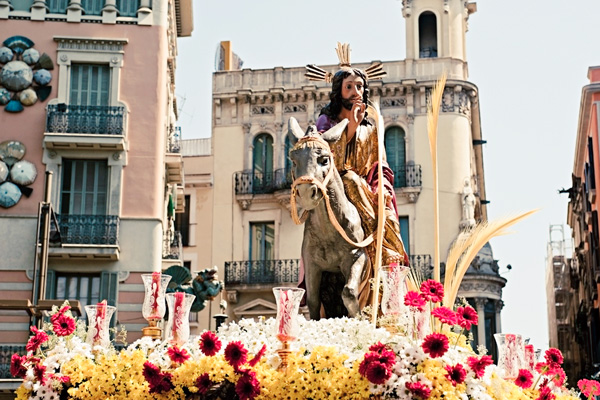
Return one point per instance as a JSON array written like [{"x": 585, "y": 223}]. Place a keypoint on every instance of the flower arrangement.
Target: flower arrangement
[{"x": 331, "y": 359}]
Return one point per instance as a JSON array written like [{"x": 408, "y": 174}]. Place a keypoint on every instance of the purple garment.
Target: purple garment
[{"x": 324, "y": 123}]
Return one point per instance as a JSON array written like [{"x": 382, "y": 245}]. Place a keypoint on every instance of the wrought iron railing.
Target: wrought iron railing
[
  {"x": 249, "y": 182},
  {"x": 261, "y": 272},
  {"x": 99, "y": 120},
  {"x": 406, "y": 175},
  {"x": 6, "y": 353},
  {"x": 423, "y": 264},
  {"x": 174, "y": 145},
  {"x": 172, "y": 246},
  {"x": 89, "y": 229}
]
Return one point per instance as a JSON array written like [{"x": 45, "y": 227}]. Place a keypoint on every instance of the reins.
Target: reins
[{"x": 299, "y": 220}]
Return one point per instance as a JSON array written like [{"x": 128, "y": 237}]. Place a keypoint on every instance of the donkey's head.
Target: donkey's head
[{"x": 312, "y": 159}]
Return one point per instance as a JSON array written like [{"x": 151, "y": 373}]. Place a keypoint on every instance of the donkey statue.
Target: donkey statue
[{"x": 319, "y": 190}]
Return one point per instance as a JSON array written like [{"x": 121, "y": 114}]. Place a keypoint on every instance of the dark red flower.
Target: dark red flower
[
  {"x": 209, "y": 343},
  {"x": 418, "y": 389},
  {"x": 415, "y": 300},
  {"x": 203, "y": 383},
  {"x": 247, "y": 387},
  {"x": 39, "y": 371},
  {"x": 554, "y": 358},
  {"x": 378, "y": 347},
  {"x": 466, "y": 316},
  {"x": 63, "y": 325},
  {"x": 445, "y": 315},
  {"x": 378, "y": 373},
  {"x": 158, "y": 381},
  {"x": 258, "y": 356},
  {"x": 178, "y": 355},
  {"x": 435, "y": 344},
  {"x": 236, "y": 354},
  {"x": 478, "y": 365},
  {"x": 456, "y": 374},
  {"x": 546, "y": 394},
  {"x": 17, "y": 369},
  {"x": 525, "y": 379},
  {"x": 38, "y": 338},
  {"x": 60, "y": 312},
  {"x": 432, "y": 290},
  {"x": 364, "y": 364}
]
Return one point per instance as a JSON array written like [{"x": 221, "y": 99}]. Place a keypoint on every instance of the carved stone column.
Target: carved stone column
[
  {"x": 74, "y": 11},
  {"x": 249, "y": 145},
  {"x": 144, "y": 13},
  {"x": 499, "y": 304},
  {"x": 110, "y": 12},
  {"x": 5, "y": 8},
  {"x": 39, "y": 8},
  {"x": 480, "y": 304}
]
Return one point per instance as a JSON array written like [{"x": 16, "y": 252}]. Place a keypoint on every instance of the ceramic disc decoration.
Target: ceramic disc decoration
[
  {"x": 11, "y": 151},
  {"x": 3, "y": 171},
  {"x": 16, "y": 76},
  {"x": 23, "y": 173},
  {"x": 10, "y": 194}
]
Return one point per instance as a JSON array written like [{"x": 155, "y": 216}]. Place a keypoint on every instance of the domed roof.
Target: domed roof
[{"x": 484, "y": 262}]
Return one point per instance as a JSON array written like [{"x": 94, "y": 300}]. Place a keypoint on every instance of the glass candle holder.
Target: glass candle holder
[
  {"x": 155, "y": 285},
  {"x": 98, "y": 317},
  {"x": 511, "y": 352},
  {"x": 393, "y": 277},
  {"x": 529, "y": 357},
  {"x": 178, "y": 326},
  {"x": 288, "y": 303}
]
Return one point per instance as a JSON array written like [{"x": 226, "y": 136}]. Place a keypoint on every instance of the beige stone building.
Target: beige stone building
[{"x": 241, "y": 205}]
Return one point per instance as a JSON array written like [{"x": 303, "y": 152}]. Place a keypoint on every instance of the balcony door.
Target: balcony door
[
  {"x": 262, "y": 252},
  {"x": 395, "y": 151},
  {"x": 90, "y": 85},
  {"x": 262, "y": 163}
]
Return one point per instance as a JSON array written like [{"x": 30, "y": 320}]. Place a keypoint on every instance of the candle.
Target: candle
[
  {"x": 285, "y": 323},
  {"x": 178, "y": 314},
  {"x": 100, "y": 317},
  {"x": 155, "y": 294}
]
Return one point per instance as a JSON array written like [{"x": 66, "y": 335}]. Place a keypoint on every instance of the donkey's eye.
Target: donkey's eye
[{"x": 323, "y": 161}]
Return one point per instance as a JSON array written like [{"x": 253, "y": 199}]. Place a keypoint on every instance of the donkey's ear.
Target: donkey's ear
[
  {"x": 295, "y": 133},
  {"x": 335, "y": 132}
]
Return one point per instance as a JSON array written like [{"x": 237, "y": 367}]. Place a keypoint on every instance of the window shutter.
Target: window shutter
[
  {"x": 50, "y": 285},
  {"x": 404, "y": 233},
  {"x": 109, "y": 290}
]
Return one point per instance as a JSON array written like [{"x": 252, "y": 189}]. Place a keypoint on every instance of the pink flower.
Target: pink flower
[
  {"x": 378, "y": 347},
  {"x": 525, "y": 379},
  {"x": 178, "y": 355},
  {"x": 236, "y": 354},
  {"x": 445, "y": 315},
  {"x": 63, "y": 325},
  {"x": 415, "y": 300},
  {"x": 158, "y": 381},
  {"x": 435, "y": 344},
  {"x": 554, "y": 358},
  {"x": 203, "y": 383},
  {"x": 378, "y": 373},
  {"x": 478, "y": 365},
  {"x": 589, "y": 387},
  {"x": 466, "y": 316},
  {"x": 38, "y": 338},
  {"x": 456, "y": 374},
  {"x": 39, "y": 371},
  {"x": 258, "y": 356},
  {"x": 432, "y": 290},
  {"x": 558, "y": 376},
  {"x": 418, "y": 389},
  {"x": 546, "y": 394},
  {"x": 209, "y": 343},
  {"x": 247, "y": 387},
  {"x": 17, "y": 369}
]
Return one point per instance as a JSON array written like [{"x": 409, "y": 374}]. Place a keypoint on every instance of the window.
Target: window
[
  {"x": 404, "y": 233},
  {"x": 92, "y": 7},
  {"x": 262, "y": 163},
  {"x": 21, "y": 5},
  {"x": 427, "y": 35},
  {"x": 57, "y": 6},
  {"x": 84, "y": 187},
  {"x": 90, "y": 85},
  {"x": 182, "y": 222},
  {"x": 395, "y": 151},
  {"x": 128, "y": 8},
  {"x": 262, "y": 241}
]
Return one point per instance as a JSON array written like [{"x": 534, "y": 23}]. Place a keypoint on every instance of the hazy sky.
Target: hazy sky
[{"x": 529, "y": 59}]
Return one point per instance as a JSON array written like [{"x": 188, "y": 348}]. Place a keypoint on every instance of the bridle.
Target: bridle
[{"x": 305, "y": 179}]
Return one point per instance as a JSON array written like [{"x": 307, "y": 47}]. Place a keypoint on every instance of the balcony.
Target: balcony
[
  {"x": 261, "y": 272},
  {"x": 423, "y": 264},
  {"x": 85, "y": 127},
  {"x": 407, "y": 181},
  {"x": 87, "y": 236},
  {"x": 172, "y": 253}
]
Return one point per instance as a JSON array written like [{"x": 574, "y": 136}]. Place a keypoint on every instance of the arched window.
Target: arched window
[
  {"x": 395, "y": 150},
  {"x": 262, "y": 163},
  {"x": 288, "y": 162},
  {"x": 428, "y": 47}
]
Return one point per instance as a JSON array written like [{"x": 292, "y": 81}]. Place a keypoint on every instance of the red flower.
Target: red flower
[
  {"x": 418, "y": 389},
  {"x": 378, "y": 373},
  {"x": 17, "y": 369},
  {"x": 258, "y": 356},
  {"x": 63, "y": 325},
  {"x": 432, "y": 290},
  {"x": 445, "y": 315},
  {"x": 554, "y": 358},
  {"x": 247, "y": 387},
  {"x": 38, "y": 338},
  {"x": 39, "y": 371},
  {"x": 456, "y": 374},
  {"x": 435, "y": 344},
  {"x": 558, "y": 376},
  {"x": 589, "y": 387},
  {"x": 478, "y": 365},
  {"x": 524, "y": 379},
  {"x": 415, "y": 300},
  {"x": 544, "y": 368},
  {"x": 203, "y": 383},
  {"x": 546, "y": 394},
  {"x": 178, "y": 355},
  {"x": 209, "y": 343},
  {"x": 60, "y": 312},
  {"x": 466, "y": 316},
  {"x": 378, "y": 347},
  {"x": 236, "y": 354},
  {"x": 159, "y": 382}
]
